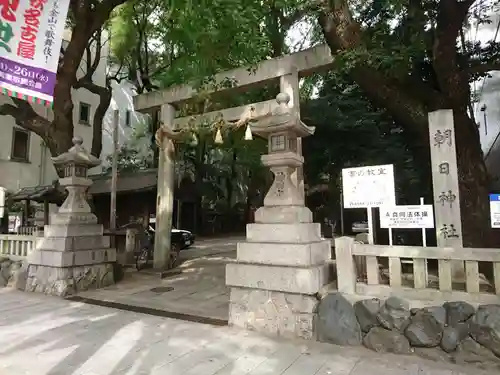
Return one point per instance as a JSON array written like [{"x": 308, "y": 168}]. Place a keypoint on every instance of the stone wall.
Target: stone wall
[
  {"x": 13, "y": 273},
  {"x": 456, "y": 331},
  {"x": 63, "y": 282}
]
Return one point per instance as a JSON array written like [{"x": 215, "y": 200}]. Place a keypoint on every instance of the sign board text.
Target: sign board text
[
  {"x": 407, "y": 217},
  {"x": 365, "y": 187}
]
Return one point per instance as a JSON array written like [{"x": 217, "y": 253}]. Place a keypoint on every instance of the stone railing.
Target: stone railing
[
  {"x": 382, "y": 271},
  {"x": 16, "y": 247},
  {"x": 31, "y": 230}
]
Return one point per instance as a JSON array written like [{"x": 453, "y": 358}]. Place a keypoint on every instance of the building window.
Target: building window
[
  {"x": 127, "y": 118},
  {"x": 84, "y": 116},
  {"x": 20, "y": 145}
]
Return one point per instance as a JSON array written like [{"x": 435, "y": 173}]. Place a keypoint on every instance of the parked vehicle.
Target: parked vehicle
[
  {"x": 145, "y": 252},
  {"x": 360, "y": 227},
  {"x": 182, "y": 238}
]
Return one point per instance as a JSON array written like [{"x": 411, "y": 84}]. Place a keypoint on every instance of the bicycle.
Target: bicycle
[{"x": 144, "y": 256}]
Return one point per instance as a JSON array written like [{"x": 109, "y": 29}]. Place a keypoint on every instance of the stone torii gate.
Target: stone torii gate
[
  {"x": 287, "y": 69},
  {"x": 283, "y": 263}
]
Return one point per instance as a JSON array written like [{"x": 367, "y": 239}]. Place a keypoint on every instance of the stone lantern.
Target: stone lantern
[
  {"x": 73, "y": 255},
  {"x": 283, "y": 263},
  {"x": 74, "y": 165},
  {"x": 282, "y": 127}
]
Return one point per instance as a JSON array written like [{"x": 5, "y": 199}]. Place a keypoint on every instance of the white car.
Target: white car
[{"x": 360, "y": 227}]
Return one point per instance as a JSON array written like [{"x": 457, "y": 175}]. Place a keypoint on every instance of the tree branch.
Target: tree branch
[
  {"x": 452, "y": 81},
  {"x": 102, "y": 12},
  {"x": 25, "y": 116},
  {"x": 104, "y": 94},
  {"x": 484, "y": 68},
  {"x": 342, "y": 34}
]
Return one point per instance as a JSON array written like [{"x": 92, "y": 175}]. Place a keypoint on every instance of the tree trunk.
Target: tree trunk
[
  {"x": 473, "y": 184},
  {"x": 409, "y": 100},
  {"x": 89, "y": 17}
]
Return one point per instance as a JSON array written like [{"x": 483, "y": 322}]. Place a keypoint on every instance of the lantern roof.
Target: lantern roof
[
  {"x": 77, "y": 155},
  {"x": 282, "y": 119}
]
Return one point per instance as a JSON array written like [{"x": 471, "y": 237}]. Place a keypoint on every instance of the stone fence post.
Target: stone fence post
[
  {"x": 346, "y": 268},
  {"x": 130, "y": 244}
]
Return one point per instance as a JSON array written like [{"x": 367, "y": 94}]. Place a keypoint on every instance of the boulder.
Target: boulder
[
  {"x": 458, "y": 312},
  {"x": 4, "y": 272},
  {"x": 337, "y": 322},
  {"x": 366, "y": 313},
  {"x": 485, "y": 327},
  {"x": 486, "y": 336},
  {"x": 384, "y": 341},
  {"x": 394, "y": 314},
  {"x": 453, "y": 336},
  {"x": 489, "y": 316},
  {"x": 424, "y": 330},
  {"x": 19, "y": 276},
  {"x": 470, "y": 352},
  {"x": 438, "y": 312}
]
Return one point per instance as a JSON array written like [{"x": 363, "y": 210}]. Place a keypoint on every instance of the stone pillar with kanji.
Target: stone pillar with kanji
[
  {"x": 73, "y": 255},
  {"x": 445, "y": 185},
  {"x": 283, "y": 262}
]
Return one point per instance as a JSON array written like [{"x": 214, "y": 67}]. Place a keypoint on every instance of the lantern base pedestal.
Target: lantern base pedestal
[
  {"x": 283, "y": 214},
  {"x": 70, "y": 258},
  {"x": 279, "y": 270},
  {"x": 67, "y": 281}
]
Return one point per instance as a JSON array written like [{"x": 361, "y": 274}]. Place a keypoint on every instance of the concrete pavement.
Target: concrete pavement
[
  {"x": 199, "y": 291},
  {"x": 42, "y": 335}
]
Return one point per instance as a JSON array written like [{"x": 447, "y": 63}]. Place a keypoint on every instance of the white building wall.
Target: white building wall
[
  {"x": 488, "y": 89},
  {"x": 39, "y": 170},
  {"x": 488, "y": 92},
  {"x": 122, "y": 101}
]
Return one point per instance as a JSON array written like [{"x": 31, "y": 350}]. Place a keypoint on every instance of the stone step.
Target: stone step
[
  {"x": 54, "y": 258},
  {"x": 285, "y": 254},
  {"x": 283, "y": 215},
  {"x": 73, "y": 230},
  {"x": 284, "y": 233},
  {"x": 73, "y": 218},
  {"x": 73, "y": 243},
  {"x": 298, "y": 280}
]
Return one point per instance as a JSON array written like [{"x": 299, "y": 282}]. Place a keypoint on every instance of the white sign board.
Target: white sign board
[
  {"x": 2, "y": 201},
  {"x": 495, "y": 210},
  {"x": 406, "y": 217},
  {"x": 368, "y": 186}
]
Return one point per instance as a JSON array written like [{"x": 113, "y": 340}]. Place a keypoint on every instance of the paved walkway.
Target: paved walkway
[
  {"x": 42, "y": 335},
  {"x": 199, "y": 291}
]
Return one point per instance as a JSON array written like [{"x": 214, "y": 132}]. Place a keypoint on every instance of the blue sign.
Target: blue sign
[
  {"x": 494, "y": 197},
  {"x": 495, "y": 210}
]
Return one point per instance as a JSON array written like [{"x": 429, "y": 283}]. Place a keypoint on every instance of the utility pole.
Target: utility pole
[
  {"x": 114, "y": 175},
  {"x": 483, "y": 109}
]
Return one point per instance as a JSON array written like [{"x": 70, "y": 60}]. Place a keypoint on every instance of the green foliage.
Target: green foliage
[
  {"x": 175, "y": 41},
  {"x": 398, "y": 38},
  {"x": 221, "y": 172},
  {"x": 352, "y": 132}
]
